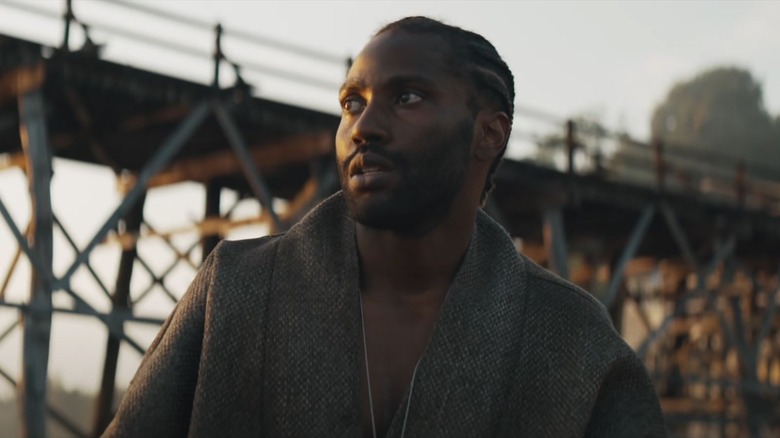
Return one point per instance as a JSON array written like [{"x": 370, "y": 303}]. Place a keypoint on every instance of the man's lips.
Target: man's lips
[
  {"x": 369, "y": 163},
  {"x": 368, "y": 172}
]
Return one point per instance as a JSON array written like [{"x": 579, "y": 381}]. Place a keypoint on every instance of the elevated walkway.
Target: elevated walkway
[{"x": 683, "y": 250}]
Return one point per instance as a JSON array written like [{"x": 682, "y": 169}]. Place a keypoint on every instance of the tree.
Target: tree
[{"x": 720, "y": 110}]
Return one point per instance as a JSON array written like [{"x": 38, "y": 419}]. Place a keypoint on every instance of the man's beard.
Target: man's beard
[{"x": 430, "y": 180}]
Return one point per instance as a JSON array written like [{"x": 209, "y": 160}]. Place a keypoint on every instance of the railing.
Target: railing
[
  {"x": 578, "y": 147},
  {"x": 583, "y": 147},
  {"x": 217, "y": 55}
]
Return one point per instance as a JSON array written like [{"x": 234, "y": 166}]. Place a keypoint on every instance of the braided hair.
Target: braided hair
[{"x": 475, "y": 59}]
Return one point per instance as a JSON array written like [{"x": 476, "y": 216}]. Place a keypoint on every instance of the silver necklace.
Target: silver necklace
[{"x": 368, "y": 376}]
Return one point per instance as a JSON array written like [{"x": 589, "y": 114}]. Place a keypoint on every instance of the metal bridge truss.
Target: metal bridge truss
[
  {"x": 710, "y": 325},
  {"x": 126, "y": 225},
  {"x": 35, "y": 243},
  {"x": 713, "y": 348},
  {"x": 707, "y": 313}
]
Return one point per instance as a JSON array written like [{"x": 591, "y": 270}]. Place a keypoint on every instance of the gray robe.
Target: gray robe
[{"x": 265, "y": 344}]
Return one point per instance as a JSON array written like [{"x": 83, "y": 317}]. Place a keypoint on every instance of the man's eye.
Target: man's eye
[
  {"x": 352, "y": 105},
  {"x": 408, "y": 97}
]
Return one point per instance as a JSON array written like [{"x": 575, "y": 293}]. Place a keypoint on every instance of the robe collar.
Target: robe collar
[{"x": 319, "y": 271}]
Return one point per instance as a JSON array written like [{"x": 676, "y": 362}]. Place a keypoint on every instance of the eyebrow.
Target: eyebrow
[
  {"x": 351, "y": 84},
  {"x": 357, "y": 83}
]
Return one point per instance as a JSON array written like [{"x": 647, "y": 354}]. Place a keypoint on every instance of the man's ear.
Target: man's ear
[{"x": 494, "y": 132}]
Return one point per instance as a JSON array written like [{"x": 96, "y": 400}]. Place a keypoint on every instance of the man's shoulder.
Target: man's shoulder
[
  {"x": 548, "y": 287},
  {"x": 540, "y": 286},
  {"x": 558, "y": 310},
  {"x": 251, "y": 250},
  {"x": 317, "y": 230}
]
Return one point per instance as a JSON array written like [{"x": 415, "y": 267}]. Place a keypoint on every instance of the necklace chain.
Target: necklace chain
[{"x": 368, "y": 376}]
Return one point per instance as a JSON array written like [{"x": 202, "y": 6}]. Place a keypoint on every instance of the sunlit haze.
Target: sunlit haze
[{"x": 612, "y": 61}]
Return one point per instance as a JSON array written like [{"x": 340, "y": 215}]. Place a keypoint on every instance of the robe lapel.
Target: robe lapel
[
  {"x": 462, "y": 379},
  {"x": 313, "y": 387},
  {"x": 312, "y": 346}
]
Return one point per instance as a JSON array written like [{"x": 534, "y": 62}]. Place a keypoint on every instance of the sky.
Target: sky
[{"x": 611, "y": 60}]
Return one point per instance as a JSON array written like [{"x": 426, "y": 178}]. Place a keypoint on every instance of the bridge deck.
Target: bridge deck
[
  {"x": 118, "y": 116},
  {"x": 603, "y": 212},
  {"x": 115, "y": 115}
]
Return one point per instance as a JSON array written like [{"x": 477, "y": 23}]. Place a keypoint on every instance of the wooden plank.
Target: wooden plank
[
  {"x": 163, "y": 116},
  {"x": 8, "y": 161},
  {"x": 688, "y": 405},
  {"x": 268, "y": 157},
  {"x": 215, "y": 226},
  {"x": 21, "y": 81}
]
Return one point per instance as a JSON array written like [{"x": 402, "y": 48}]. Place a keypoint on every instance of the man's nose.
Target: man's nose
[{"x": 372, "y": 126}]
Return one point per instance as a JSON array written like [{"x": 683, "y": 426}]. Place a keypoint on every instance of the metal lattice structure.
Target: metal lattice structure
[
  {"x": 689, "y": 274},
  {"x": 152, "y": 131},
  {"x": 683, "y": 249}
]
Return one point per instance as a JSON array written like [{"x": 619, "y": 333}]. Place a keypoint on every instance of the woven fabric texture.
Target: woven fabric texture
[{"x": 265, "y": 344}]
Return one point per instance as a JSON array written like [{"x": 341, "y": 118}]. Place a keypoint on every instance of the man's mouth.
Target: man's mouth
[
  {"x": 369, "y": 163},
  {"x": 369, "y": 171}
]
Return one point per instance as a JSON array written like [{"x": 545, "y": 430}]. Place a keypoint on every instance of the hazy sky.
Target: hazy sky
[{"x": 612, "y": 60}]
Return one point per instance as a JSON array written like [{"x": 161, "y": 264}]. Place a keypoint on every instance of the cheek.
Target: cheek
[{"x": 342, "y": 141}]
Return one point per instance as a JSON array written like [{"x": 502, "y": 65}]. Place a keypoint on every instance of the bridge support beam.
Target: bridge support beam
[
  {"x": 555, "y": 242},
  {"x": 213, "y": 198},
  {"x": 252, "y": 174},
  {"x": 119, "y": 302},
  {"x": 618, "y": 273},
  {"x": 37, "y": 321}
]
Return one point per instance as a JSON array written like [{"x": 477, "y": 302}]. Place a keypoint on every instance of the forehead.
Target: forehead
[{"x": 403, "y": 54}]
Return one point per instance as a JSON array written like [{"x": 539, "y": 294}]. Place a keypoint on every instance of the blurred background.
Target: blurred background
[{"x": 644, "y": 166}]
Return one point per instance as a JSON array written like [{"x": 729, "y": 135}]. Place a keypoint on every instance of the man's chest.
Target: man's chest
[{"x": 392, "y": 342}]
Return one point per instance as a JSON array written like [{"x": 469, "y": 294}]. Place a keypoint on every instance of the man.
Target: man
[{"x": 396, "y": 308}]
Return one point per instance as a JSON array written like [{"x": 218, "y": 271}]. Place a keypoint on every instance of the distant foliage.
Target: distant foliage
[{"x": 720, "y": 110}]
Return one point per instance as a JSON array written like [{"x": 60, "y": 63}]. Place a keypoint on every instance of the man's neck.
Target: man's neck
[{"x": 405, "y": 269}]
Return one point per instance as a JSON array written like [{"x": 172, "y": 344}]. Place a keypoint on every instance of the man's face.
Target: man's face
[{"x": 404, "y": 142}]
